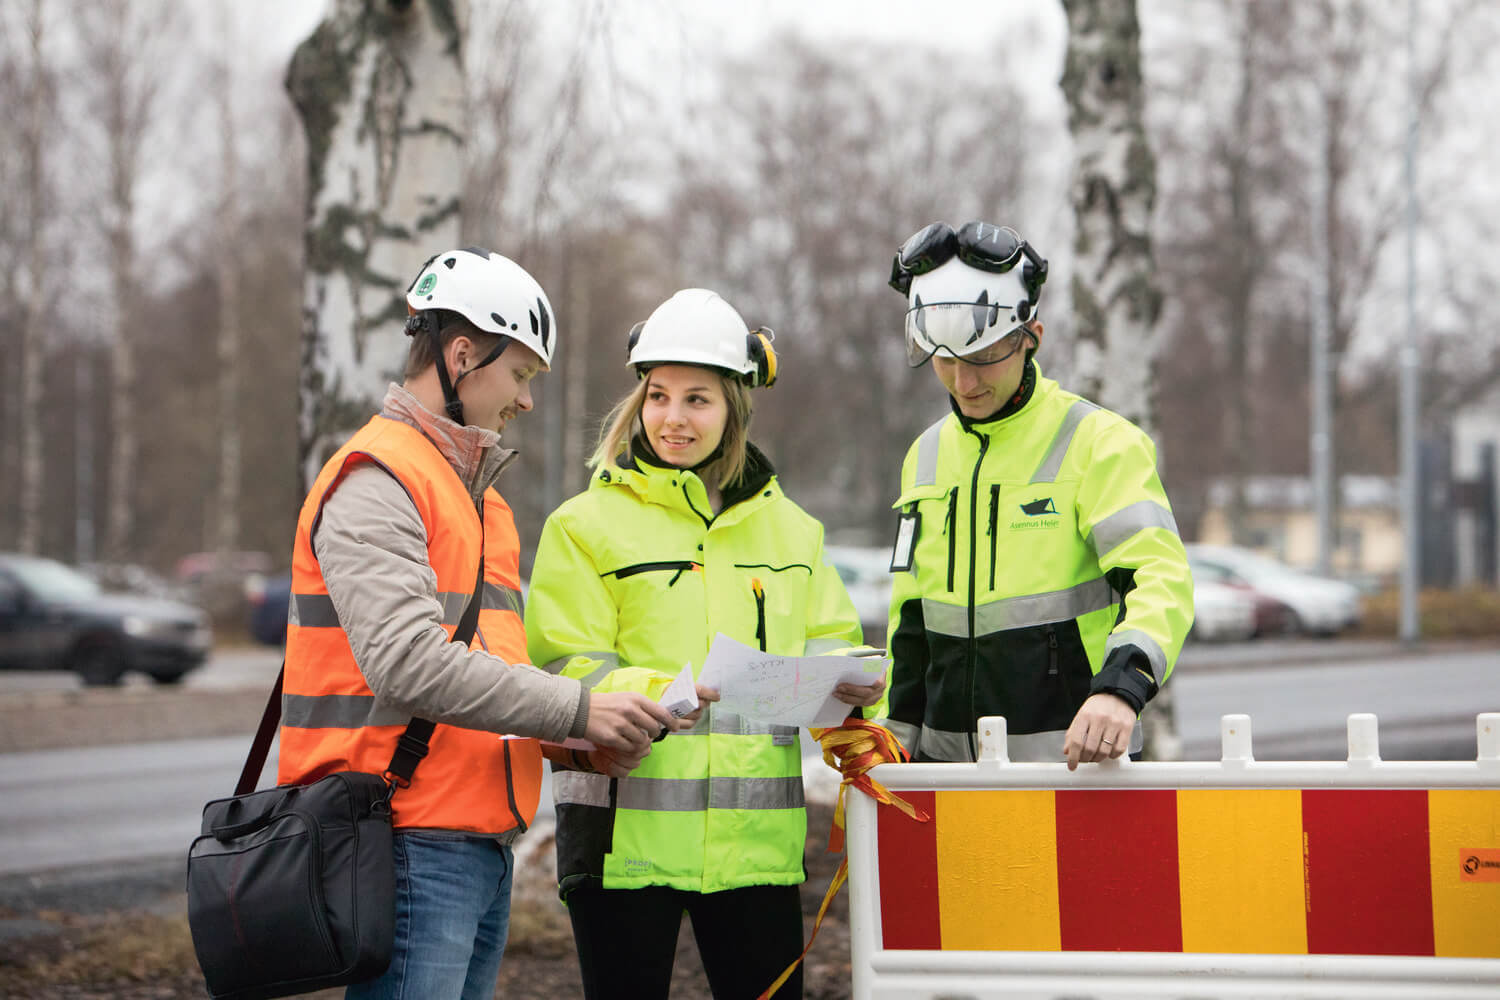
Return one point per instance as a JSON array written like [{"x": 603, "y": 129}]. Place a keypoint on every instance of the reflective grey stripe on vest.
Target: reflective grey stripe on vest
[
  {"x": 698, "y": 794},
  {"x": 579, "y": 788},
  {"x": 903, "y": 731},
  {"x": 1047, "y": 471},
  {"x": 500, "y": 598},
  {"x": 312, "y": 611},
  {"x": 939, "y": 744},
  {"x": 338, "y": 711},
  {"x": 611, "y": 661},
  {"x": 316, "y": 610},
  {"x": 730, "y": 724},
  {"x": 1018, "y": 612},
  {"x": 927, "y": 455},
  {"x": 1143, "y": 642},
  {"x": 1024, "y": 748},
  {"x": 817, "y": 647},
  {"x": 453, "y": 606},
  {"x": 1127, "y": 521}
]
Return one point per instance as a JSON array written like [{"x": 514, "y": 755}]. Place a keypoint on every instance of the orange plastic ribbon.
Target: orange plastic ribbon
[{"x": 851, "y": 749}]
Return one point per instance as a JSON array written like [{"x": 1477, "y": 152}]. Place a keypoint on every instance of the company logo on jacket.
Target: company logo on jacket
[{"x": 1036, "y": 515}]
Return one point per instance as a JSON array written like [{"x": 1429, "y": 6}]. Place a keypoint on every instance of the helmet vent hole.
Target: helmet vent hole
[
  {"x": 500, "y": 320},
  {"x": 450, "y": 263}
]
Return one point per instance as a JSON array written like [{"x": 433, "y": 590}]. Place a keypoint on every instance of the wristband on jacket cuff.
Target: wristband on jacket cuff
[
  {"x": 581, "y": 719},
  {"x": 1126, "y": 674}
]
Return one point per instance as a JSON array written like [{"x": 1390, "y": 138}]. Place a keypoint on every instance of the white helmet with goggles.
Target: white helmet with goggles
[
  {"x": 969, "y": 293},
  {"x": 697, "y": 327}
]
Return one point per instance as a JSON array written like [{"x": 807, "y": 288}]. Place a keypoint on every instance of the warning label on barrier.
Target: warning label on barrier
[{"x": 1480, "y": 864}]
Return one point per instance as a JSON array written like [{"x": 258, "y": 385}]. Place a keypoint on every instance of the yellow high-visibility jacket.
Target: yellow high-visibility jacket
[
  {"x": 1037, "y": 562},
  {"x": 632, "y": 580}
]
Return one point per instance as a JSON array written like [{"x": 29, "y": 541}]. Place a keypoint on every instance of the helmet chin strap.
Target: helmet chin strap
[
  {"x": 452, "y": 405},
  {"x": 489, "y": 358},
  {"x": 428, "y": 319}
]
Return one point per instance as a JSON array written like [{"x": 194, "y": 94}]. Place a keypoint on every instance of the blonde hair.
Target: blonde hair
[{"x": 623, "y": 423}]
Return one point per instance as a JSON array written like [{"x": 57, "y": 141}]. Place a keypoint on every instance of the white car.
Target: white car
[
  {"x": 866, "y": 571},
  {"x": 1222, "y": 613},
  {"x": 1320, "y": 605}
]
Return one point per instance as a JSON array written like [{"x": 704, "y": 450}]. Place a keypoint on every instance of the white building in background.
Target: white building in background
[
  {"x": 1282, "y": 522},
  {"x": 1460, "y": 511}
]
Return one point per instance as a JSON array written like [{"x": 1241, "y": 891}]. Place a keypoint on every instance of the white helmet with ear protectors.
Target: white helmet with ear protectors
[
  {"x": 962, "y": 311},
  {"x": 697, "y": 327},
  {"x": 492, "y": 292}
]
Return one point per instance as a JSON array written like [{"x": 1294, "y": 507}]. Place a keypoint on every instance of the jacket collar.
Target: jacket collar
[
  {"x": 474, "y": 452},
  {"x": 657, "y": 482},
  {"x": 1014, "y": 405}
]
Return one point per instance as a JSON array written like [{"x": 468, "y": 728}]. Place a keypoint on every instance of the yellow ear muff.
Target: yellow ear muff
[{"x": 763, "y": 354}]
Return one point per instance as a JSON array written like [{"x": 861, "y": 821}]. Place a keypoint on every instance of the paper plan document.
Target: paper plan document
[{"x": 784, "y": 690}]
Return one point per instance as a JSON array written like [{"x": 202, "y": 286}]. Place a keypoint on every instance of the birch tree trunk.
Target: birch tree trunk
[
  {"x": 379, "y": 86},
  {"x": 124, "y": 441},
  {"x": 34, "y": 288},
  {"x": 1115, "y": 303},
  {"x": 227, "y": 267},
  {"x": 123, "y": 48}
]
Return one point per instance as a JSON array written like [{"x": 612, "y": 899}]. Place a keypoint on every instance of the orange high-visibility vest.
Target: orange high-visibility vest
[
  {"x": 470, "y": 780},
  {"x": 501, "y": 631}
]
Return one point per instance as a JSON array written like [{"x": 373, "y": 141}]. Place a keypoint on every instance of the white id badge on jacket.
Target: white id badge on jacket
[{"x": 906, "y": 541}]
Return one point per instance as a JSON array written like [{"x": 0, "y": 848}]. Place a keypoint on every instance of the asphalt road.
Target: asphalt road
[{"x": 118, "y": 805}]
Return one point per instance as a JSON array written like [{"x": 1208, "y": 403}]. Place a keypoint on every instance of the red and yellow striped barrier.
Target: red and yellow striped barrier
[{"x": 1238, "y": 870}]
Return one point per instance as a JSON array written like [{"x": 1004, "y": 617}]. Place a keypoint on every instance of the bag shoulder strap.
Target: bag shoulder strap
[{"x": 411, "y": 747}]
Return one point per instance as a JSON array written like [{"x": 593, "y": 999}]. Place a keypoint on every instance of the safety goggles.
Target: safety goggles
[
  {"x": 920, "y": 349},
  {"x": 981, "y": 245}
]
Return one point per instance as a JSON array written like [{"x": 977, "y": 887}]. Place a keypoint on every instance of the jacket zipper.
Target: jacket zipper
[
  {"x": 994, "y": 523},
  {"x": 760, "y": 612},
  {"x": 951, "y": 522},
  {"x": 1051, "y": 651},
  {"x": 984, "y": 444}
]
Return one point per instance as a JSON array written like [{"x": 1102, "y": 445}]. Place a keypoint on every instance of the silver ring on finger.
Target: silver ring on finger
[{"x": 1107, "y": 742}]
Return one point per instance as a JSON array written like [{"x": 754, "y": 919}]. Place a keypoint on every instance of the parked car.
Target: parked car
[
  {"x": 269, "y": 598},
  {"x": 1222, "y": 613},
  {"x": 1313, "y": 604},
  {"x": 130, "y": 578},
  {"x": 866, "y": 571},
  {"x": 53, "y": 617}
]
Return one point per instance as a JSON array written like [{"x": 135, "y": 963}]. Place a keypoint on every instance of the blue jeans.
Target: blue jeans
[{"x": 452, "y": 916}]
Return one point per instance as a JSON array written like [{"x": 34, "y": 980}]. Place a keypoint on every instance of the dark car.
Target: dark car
[
  {"x": 268, "y": 597},
  {"x": 53, "y": 617}
]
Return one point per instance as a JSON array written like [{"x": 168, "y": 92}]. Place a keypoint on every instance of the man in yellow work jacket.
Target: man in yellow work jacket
[{"x": 1039, "y": 575}]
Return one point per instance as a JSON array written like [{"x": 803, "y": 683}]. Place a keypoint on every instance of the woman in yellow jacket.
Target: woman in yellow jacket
[{"x": 683, "y": 533}]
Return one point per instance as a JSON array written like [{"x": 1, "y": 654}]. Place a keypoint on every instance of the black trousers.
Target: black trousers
[{"x": 627, "y": 939}]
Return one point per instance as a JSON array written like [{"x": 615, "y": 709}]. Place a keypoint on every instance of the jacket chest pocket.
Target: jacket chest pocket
[
  {"x": 660, "y": 593},
  {"x": 775, "y": 600},
  {"x": 1031, "y": 534},
  {"x": 927, "y": 539}
]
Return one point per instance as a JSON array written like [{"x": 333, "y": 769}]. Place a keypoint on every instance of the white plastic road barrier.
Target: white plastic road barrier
[{"x": 1233, "y": 878}]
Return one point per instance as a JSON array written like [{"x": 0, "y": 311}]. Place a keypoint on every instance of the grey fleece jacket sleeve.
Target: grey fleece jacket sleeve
[{"x": 372, "y": 547}]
